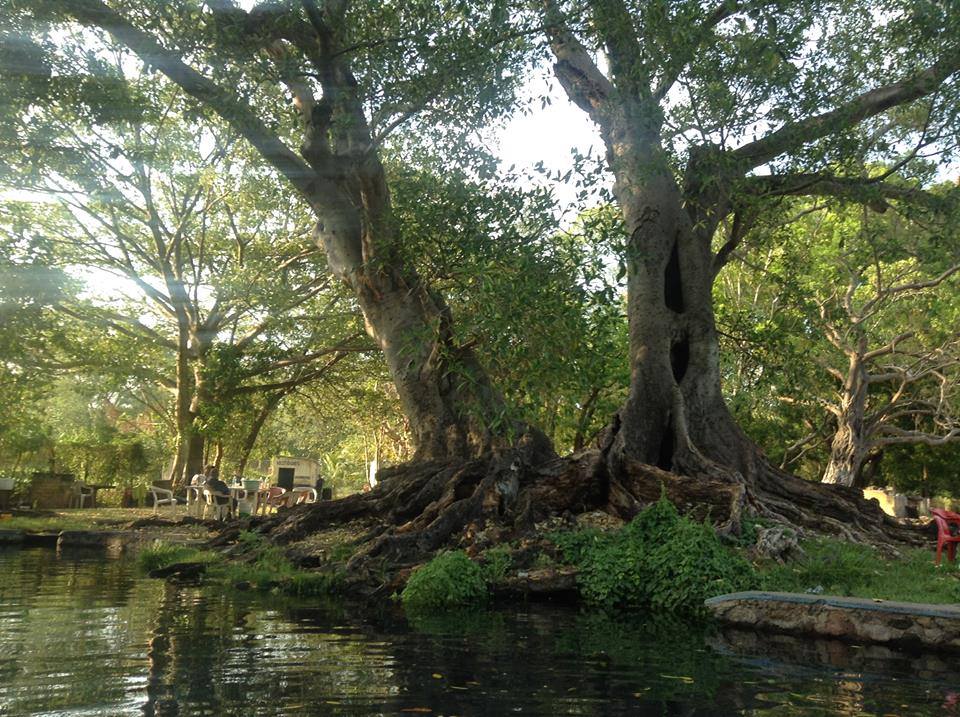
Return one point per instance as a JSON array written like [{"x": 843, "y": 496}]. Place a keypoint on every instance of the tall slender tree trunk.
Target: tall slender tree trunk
[
  {"x": 250, "y": 440},
  {"x": 182, "y": 417},
  {"x": 850, "y": 445}
]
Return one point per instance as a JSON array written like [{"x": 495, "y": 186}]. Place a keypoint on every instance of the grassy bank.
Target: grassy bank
[
  {"x": 834, "y": 567},
  {"x": 664, "y": 563},
  {"x": 253, "y": 564}
]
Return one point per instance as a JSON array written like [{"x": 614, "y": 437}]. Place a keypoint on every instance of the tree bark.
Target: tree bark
[{"x": 851, "y": 443}]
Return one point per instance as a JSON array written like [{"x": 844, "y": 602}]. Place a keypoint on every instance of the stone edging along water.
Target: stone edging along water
[
  {"x": 879, "y": 621},
  {"x": 112, "y": 540}
]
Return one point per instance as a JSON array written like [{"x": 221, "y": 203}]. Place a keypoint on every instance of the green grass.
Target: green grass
[
  {"x": 89, "y": 519},
  {"x": 263, "y": 566},
  {"x": 52, "y": 524},
  {"x": 161, "y": 555},
  {"x": 834, "y": 567}
]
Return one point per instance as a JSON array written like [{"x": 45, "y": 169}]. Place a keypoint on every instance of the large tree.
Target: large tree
[
  {"x": 337, "y": 80},
  {"x": 707, "y": 112}
]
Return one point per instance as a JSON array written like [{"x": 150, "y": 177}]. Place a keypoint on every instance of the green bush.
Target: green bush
[
  {"x": 660, "y": 560},
  {"x": 450, "y": 580}
]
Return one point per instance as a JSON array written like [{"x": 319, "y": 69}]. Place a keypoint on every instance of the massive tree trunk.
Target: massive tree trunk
[
  {"x": 675, "y": 416},
  {"x": 445, "y": 394}
]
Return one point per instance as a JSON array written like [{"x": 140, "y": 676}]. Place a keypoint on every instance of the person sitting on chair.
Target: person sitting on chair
[{"x": 216, "y": 486}]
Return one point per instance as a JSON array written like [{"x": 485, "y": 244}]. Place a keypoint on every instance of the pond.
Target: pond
[{"x": 85, "y": 635}]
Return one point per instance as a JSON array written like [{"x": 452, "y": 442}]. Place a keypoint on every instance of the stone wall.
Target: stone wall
[{"x": 878, "y": 621}]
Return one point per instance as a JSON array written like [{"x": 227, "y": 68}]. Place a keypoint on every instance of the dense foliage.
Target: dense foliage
[
  {"x": 660, "y": 561},
  {"x": 159, "y": 281},
  {"x": 450, "y": 580}
]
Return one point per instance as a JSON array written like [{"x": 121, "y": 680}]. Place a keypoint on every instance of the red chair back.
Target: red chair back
[{"x": 944, "y": 517}]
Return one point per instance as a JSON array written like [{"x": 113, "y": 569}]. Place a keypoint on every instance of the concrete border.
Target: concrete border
[{"x": 845, "y": 618}]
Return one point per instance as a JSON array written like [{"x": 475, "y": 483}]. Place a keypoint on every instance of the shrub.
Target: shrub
[
  {"x": 659, "y": 560},
  {"x": 691, "y": 566},
  {"x": 451, "y": 579}
]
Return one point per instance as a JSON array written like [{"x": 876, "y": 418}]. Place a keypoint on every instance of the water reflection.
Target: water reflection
[{"x": 84, "y": 635}]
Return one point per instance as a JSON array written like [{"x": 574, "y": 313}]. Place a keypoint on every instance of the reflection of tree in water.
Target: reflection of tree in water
[
  {"x": 551, "y": 661},
  {"x": 192, "y": 637},
  {"x": 87, "y": 633},
  {"x": 69, "y": 624},
  {"x": 231, "y": 653}
]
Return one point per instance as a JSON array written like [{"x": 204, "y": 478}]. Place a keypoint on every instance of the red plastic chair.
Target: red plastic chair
[
  {"x": 944, "y": 518},
  {"x": 277, "y": 497}
]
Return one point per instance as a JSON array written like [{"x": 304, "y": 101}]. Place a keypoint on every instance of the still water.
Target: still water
[{"x": 85, "y": 635}]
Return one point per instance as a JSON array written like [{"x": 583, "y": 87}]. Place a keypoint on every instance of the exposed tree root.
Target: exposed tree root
[{"x": 418, "y": 508}]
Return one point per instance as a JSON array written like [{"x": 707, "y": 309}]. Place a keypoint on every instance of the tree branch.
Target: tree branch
[
  {"x": 871, "y": 191},
  {"x": 221, "y": 101},
  {"x": 579, "y": 75},
  {"x": 865, "y": 105}
]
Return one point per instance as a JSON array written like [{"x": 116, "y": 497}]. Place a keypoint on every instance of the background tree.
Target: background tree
[
  {"x": 189, "y": 233},
  {"x": 865, "y": 304}
]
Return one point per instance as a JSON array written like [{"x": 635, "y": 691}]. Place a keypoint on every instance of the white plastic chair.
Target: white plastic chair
[
  {"x": 78, "y": 494},
  {"x": 162, "y": 496},
  {"x": 219, "y": 510}
]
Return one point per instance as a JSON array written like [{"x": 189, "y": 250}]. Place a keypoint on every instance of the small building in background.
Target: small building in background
[
  {"x": 291, "y": 472},
  {"x": 897, "y": 504}
]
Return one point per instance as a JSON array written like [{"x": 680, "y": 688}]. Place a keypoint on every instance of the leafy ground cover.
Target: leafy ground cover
[{"x": 664, "y": 563}]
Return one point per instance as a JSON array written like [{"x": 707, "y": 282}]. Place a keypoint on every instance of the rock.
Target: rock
[
  {"x": 850, "y": 619},
  {"x": 599, "y": 520},
  {"x": 545, "y": 581},
  {"x": 777, "y": 542},
  {"x": 11, "y": 537},
  {"x": 180, "y": 572}
]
